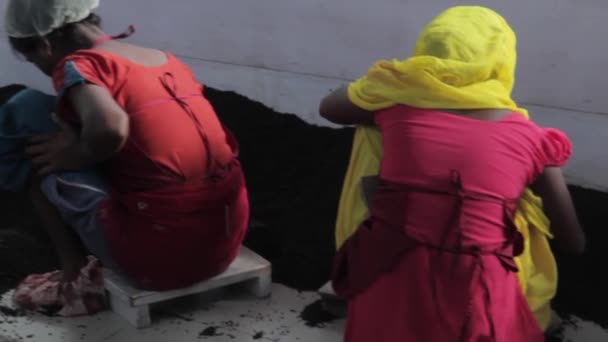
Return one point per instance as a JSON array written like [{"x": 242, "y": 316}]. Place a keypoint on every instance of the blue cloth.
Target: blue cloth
[
  {"x": 21, "y": 117},
  {"x": 76, "y": 195}
]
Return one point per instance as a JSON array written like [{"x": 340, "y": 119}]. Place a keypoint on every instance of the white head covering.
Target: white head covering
[{"x": 37, "y": 18}]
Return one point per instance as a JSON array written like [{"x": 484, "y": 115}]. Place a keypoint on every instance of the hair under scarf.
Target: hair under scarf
[
  {"x": 37, "y": 18},
  {"x": 464, "y": 59}
]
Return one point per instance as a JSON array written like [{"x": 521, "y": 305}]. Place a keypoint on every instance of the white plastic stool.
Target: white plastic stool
[{"x": 134, "y": 305}]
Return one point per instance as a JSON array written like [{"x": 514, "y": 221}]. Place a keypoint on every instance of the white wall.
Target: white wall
[{"x": 288, "y": 54}]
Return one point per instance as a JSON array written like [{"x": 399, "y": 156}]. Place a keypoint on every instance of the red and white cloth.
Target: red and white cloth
[{"x": 46, "y": 293}]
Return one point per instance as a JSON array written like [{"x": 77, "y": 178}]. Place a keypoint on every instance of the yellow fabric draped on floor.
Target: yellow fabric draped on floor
[{"x": 464, "y": 59}]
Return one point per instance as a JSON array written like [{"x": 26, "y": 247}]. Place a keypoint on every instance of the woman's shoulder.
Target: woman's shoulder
[
  {"x": 113, "y": 60},
  {"x": 87, "y": 60},
  {"x": 553, "y": 146},
  {"x": 90, "y": 56},
  {"x": 125, "y": 56},
  {"x": 88, "y": 66}
]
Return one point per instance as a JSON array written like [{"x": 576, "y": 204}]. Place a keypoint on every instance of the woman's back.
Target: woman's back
[
  {"x": 174, "y": 136},
  {"x": 497, "y": 158},
  {"x": 434, "y": 261},
  {"x": 493, "y": 161},
  {"x": 440, "y": 239},
  {"x": 175, "y": 144}
]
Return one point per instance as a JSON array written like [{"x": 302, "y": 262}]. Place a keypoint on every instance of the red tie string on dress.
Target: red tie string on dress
[
  {"x": 168, "y": 82},
  {"x": 127, "y": 33}
]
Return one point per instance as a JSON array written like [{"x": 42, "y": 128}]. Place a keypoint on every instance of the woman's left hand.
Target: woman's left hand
[{"x": 55, "y": 151}]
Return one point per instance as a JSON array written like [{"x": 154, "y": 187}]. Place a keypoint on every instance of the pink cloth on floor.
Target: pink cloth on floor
[{"x": 85, "y": 295}]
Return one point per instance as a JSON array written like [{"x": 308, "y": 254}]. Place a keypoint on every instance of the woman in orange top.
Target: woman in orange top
[{"x": 178, "y": 208}]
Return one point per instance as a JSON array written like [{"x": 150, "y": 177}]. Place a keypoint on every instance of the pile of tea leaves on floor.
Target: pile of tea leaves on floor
[{"x": 294, "y": 173}]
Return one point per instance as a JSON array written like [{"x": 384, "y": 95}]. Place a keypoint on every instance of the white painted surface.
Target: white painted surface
[{"x": 288, "y": 54}]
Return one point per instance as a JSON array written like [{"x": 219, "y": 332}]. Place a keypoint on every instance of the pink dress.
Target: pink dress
[{"x": 434, "y": 262}]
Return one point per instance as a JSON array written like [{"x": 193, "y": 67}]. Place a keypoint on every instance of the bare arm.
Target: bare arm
[
  {"x": 558, "y": 206},
  {"x": 337, "y": 108},
  {"x": 105, "y": 128},
  {"x": 105, "y": 125}
]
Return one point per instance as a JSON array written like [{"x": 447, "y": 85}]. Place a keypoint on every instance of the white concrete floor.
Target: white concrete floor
[
  {"x": 584, "y": 331},
  {"x": 234, "y": 318}
]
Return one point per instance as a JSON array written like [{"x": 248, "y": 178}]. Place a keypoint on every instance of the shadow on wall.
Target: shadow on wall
[{"x": 294, "y": 172}]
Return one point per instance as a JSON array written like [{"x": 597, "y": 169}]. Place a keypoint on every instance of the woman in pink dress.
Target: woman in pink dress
[{"x": 434, "y": 261}]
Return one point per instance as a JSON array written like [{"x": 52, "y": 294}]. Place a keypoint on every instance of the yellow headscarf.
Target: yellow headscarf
[{"x": 464, "y": 59}]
